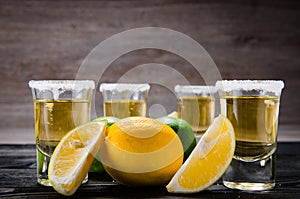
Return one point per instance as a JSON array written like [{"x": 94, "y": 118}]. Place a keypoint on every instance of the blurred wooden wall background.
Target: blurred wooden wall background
[{"x": 250, "y": 39}]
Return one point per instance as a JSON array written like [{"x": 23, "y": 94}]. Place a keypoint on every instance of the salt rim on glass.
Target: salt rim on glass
[
  {"x": 274, "y": 86},
  {"x": 56, "y": 87},
  {"x": 120, "y": 87},
  {"x": 62, "y": 84},
  {"x": 195, "y": 89}
]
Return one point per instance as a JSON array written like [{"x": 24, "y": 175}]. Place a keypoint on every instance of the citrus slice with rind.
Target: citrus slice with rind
[
  {"x": 208, "y": 161},
  {"x": 73, "y": 156},
  {"x": 174, "y": 114}
]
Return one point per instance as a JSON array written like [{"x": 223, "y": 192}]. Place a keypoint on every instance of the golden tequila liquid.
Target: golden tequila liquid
[
  {"x": 125, "y": 108},
  {"x": 255, "y": 121},
  {"x": 197, "y": 111},
  {"x": 53, "y": 119}
]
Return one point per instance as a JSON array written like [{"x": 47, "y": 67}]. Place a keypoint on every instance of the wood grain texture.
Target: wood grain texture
[
  {"x": 249, "y": 39},
  {"x": 18, "y": 180}
]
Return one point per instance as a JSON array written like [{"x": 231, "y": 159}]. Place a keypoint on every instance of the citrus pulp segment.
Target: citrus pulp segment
[
  {"x": 73, "y": 156},
  {"x": 208, "y": 161}
]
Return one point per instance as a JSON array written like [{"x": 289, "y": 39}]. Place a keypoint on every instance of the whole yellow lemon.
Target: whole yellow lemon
[{"x": 140, "y": 151}]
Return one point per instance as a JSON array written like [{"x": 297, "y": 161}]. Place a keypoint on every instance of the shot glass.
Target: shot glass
[
  {"x": 123, "y": 100},
  {"x": 252, "y": 106},
  {"x": 196, "y": 105},
  {"x": 59, "y": 106}
]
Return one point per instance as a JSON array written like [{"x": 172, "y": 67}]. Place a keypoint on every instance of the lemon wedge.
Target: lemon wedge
[
  {"x": 73, "y": 156},
  {"x": 208, "y": 161},
  {"x": 173, "y": 114}
]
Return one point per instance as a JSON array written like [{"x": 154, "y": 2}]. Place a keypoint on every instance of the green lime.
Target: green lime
[
  {"x": 40, "y": 160},
  {"x": 110, "y": 120},
  {"x": 184, "y": 131},
  {"x": 97, "y": 165}
]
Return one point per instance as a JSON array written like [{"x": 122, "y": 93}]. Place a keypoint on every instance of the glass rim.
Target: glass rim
[
  {"x": 248, "y": 85},
  {"x": 61, "y": 84},
  {"x": 195, "y": 89},
  {"x": 119, "y": 87}
]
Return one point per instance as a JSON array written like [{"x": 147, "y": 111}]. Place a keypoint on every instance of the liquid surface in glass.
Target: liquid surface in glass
[
  {"x": 255, "y": 121},
  {"x": 55, "y": 118},
  {"x": 124, "y": 108},
  {"x": 197, "y": 111}
]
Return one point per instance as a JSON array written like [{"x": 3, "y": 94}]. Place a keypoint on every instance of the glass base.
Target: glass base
[
  {"x": 246, "y": 186},
  {"x": 45, "y": 182},
  {"x": 42, "y": 169},
  {"x": 251, "y": 176}
]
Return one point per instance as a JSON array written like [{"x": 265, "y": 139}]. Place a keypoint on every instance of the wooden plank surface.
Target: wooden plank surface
[
  {"x": 18, "y": 179},
  {"x": 48, "y": 40}
]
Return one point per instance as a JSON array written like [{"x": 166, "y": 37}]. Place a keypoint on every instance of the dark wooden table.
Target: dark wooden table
[{"x": 18, "y": 179}]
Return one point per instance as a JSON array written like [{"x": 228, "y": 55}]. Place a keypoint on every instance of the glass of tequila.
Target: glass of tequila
[
  {"x": 59, "y": 106},
  {"x": 123, "y": 100},
  {"x": 252, "y": 106},
  {"x": 196, "y": 105}
]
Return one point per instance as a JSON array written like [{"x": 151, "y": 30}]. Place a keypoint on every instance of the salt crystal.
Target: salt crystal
[{"x": 274, "y": 86}]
